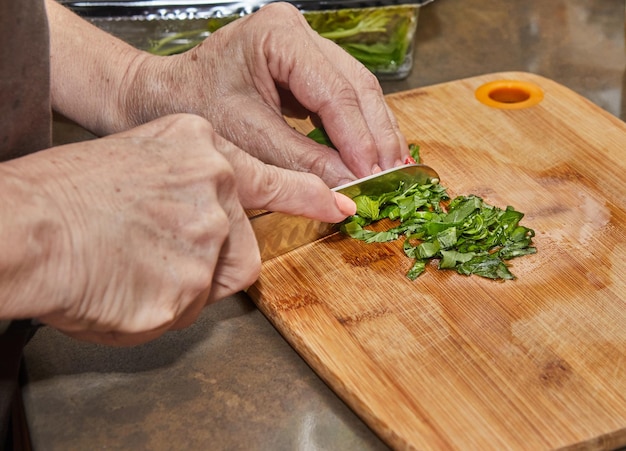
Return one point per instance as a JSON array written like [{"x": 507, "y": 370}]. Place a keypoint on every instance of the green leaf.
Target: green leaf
[
  {"x": 486, "y": 266},
  {"x": 450, "y": 259},
  {"x": 469, "y": 235},
  {"x": 367, "y": 207},
  {"x": 461, "y": 208},
  {"x": 427, "y": 249},
  {"x": 416, "y": 270},
  {"x": 414, "y": 151},
  {"x": 320, "y": 136},
  {"x": 355, "y": 230},
  {"x": 377, "y": 37},
  {"x": 447, "y": 238}
]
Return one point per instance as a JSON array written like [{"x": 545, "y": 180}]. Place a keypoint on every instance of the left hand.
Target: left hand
[{"x": 237, "y": 79}]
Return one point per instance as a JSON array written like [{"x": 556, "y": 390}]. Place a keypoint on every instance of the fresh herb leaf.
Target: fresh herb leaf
[
  {"x": 320, "y": 136},
  {"x": 469, "y": 235},
  {"x": 417, "y": 269},
  {"x": 367, "y": 207},
  {"x": 414, "y": 151}
]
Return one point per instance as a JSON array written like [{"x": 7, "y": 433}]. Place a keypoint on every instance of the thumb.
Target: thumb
[
  {"x": 266, "y": 187},
  {"x": 300, "y": 193}
]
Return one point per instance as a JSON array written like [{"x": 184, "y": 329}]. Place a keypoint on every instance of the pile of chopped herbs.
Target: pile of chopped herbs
[{"x": 464, "y": 234}]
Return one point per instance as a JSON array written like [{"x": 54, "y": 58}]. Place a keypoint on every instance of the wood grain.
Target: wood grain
[{"x": 455, "y": 362}]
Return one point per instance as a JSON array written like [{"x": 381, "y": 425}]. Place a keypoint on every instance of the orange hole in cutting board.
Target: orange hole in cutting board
[{"x": 509, "y": 94}]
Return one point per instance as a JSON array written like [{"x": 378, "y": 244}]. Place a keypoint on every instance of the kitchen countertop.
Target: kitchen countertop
[{"x": 231, "y": 381}]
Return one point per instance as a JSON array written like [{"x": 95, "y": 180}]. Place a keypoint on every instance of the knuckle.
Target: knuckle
[
  {"x": 319, "y": 165},
  {"x": 192, "y": 124},
  {"x": 218, "y": 224},
  {"x": 281, "y": 186},
  {"x": 168, "y": 315},
  {"x": 270, "y": 186},
  {"x": 284, "y": 17},
  {"x": 368, "y": 80},
  {"x": 283, "y": 10}
]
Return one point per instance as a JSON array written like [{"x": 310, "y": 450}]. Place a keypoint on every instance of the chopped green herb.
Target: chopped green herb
[
  {"x": 414, "y": 151},
  {"x": 469, "y": 236},
  {"x": 319, "y": 135}
]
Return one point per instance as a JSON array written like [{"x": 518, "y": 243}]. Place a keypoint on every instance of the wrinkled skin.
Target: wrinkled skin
[
  {"x": 239, "y": 69},
  {"x": 124, "y": 237},
  {"x": 157, "y": 228}
]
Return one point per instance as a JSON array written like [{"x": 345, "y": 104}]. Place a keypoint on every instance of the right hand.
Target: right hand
[{"x": 155, "y": 227}]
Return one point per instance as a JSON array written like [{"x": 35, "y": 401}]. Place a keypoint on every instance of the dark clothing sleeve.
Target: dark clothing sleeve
[
  {"x": 25, "y": 127},
  {"x": 25, "y": 114},
  {"x": 13, "y": 429}
]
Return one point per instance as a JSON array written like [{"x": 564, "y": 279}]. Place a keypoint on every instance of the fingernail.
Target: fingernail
[
  {"x": 376, "y": 169},
  {"x": 345, "y": 204}
]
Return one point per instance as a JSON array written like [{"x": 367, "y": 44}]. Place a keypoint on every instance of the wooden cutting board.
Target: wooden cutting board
[{"x": 455, "y": 362}]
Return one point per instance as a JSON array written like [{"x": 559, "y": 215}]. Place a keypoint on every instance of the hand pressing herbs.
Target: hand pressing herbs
[{"x": 465, "y": 234}]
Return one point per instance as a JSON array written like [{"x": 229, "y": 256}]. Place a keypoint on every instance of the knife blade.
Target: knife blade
[{"x": 278, "y": 233}]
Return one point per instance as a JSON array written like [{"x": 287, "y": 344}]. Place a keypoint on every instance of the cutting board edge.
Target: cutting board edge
[
  {"x": 537, "y": 79},
  {"x": 331, "y": 377},
  {"x": 601, "y": 440}
]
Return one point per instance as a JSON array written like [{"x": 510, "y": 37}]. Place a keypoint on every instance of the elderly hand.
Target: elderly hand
[
  {"x": 240, "y": 79},
  {"x": 135, "y": 233},
  {"x": 235, "y": 78}
]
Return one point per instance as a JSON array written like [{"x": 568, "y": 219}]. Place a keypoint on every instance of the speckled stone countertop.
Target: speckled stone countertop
[{"x": 231, "y": 382}]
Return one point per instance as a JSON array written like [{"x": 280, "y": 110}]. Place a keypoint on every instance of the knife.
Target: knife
[{"x": 278, "y": 233}]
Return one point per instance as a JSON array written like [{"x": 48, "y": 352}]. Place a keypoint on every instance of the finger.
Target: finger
[
  {"x": 404, "y": 146},
  {"x": 193, "y": 310},
  {"x": 331, "y": 96},
  {"x": 345, "y": 95},
  {"x": 112, "y": 338},
  {"x": 298, "y": 193},
  {"x": 272, "y": 188},
  {"x": 239, "y": 263},
  {"x": 285, "y": 146},
  {"x": 389, "y": 145}
]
